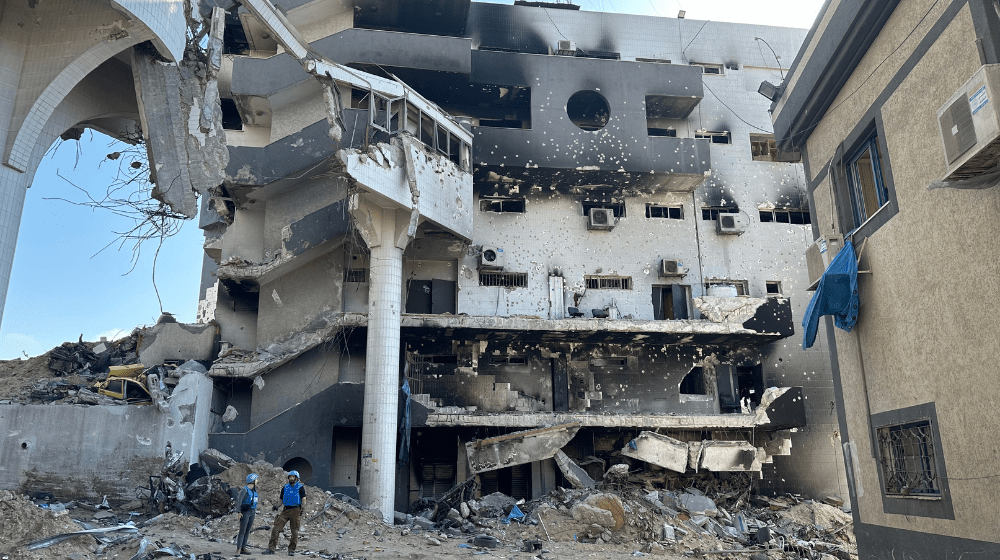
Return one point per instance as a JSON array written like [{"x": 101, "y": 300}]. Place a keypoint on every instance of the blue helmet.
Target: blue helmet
[
  {"x": 251, "y": 478},
  {"x": 294, "y": 473}
]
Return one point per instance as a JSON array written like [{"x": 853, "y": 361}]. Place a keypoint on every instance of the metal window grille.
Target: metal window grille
[
  {"x": 609, "y": 282},
  {"x": 907, "y": 458},
  {"x": 356, "y": 275},
  {"x": 503, "y": 279}
]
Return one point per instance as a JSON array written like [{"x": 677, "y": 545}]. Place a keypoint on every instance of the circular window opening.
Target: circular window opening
[
  {"x": 588, "y": 110},
  {"x": 299, "y": 464}
]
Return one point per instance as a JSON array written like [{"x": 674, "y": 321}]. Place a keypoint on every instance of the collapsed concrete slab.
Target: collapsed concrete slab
[
  {"x": 177, "y": 341},
  {"x": 518, "y": 448},
  {"x": 659, "y": 450},
  {"x": 731, "y": 456},
  {"x": 574, "y": 473}
]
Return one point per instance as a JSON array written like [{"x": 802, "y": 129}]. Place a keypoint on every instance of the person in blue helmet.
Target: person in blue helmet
[
  {"x": 246, "y": 501},
  {"x": 293, "y": 500}
]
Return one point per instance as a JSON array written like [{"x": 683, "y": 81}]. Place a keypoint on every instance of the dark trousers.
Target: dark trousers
[
  {"x": 246, "y": 525},
  {"x": 288, "y": 515}
]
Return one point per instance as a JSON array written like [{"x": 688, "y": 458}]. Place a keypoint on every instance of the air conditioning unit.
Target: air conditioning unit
[
  {"x": 601, "y": 218},
  {"x": 492, "y": 257},
  {"x": 670, "y": 268},
  {"x": 566, "y": 47},
  {"x": 970, "y": 127},
  {"x": 729, "y": 224},
  {"x": 819, "y": 255}
]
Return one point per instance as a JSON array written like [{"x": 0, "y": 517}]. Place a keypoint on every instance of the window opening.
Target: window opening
[
  {"x": 716, "y": 136},
  {"x": 908, "y": 461},
  {"x": 434, "y": 359},
  {"x": 670, "y": 302},
  {"x": 503, "y": 205},
  {"x": 741, "y": 285},
  {"x": 503, "y": 279},
  {"x": 773, "y": 287},
  {"x": 507, "y": 360},
  {"x": 786, "y": 216},
  {"x": 588, "y": 110},
  {"x": 653, "y": 60},
  {"x": 707, "y": 68},
  {"x": 618, "y": 208},
  {"x": 668, "y": 212},
  {"x": 231, "y": 119},
  {"x": 610, "y": 361},
  {"x": 694, "y": 382},
  {"x": 595, "y": 282},
  {"x": 864, "y": 177},
  {"x": 763, "y": 147},
  {"x": 712, "y": 212},
  {"x": 356, "y": 275}
]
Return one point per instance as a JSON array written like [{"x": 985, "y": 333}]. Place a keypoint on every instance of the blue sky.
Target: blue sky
[{"x": 63, "y": 285}]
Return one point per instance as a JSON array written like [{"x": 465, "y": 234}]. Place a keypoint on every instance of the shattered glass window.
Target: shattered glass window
[{"x": 907, "y": 458}]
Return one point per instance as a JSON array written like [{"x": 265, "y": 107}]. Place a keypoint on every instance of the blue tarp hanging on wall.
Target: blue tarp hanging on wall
[
  {"x": 404, "y": 426},
  {"x": 836, "y": 295}
]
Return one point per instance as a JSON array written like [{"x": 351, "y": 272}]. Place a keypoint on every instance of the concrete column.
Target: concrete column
[
  {"x": 379, "y": 424},
  {"x": 13, "y": 187}
]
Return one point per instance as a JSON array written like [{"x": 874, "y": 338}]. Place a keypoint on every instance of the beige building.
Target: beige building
[{"x": 884, "y": 98}]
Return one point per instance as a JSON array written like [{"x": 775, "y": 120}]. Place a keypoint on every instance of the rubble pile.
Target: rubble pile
[
  {"x": 710, "y": 514},
  {"x": 21, "y": 522}
]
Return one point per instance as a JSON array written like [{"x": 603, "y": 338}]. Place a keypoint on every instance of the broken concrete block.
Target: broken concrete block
[
  {"x": 573, "y": 473},
  {"x": 730, "y": 456},
  {"x": 215, "y": 460},
  {"x": 230, "y": 414},
  {"x": 588, "y": 514},
  {"x": 463, "y": 508},
  {"x": 659, "y": 450},
  {"x": 176, "y": 341},
  {"x": 612, "y": 503},
  {"x": 698, "y": 505},
  {"x": 519, "y": 448},
  {"x": 423, "y": 523}
]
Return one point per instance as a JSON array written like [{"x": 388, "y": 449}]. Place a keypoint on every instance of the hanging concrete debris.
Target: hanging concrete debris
[
  {"x": 518, "y": 448},
  {"x": 658, "y": 450}
]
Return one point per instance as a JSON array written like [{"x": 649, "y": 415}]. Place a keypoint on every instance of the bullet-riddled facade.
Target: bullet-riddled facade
[{"x": 610, "y": 237}]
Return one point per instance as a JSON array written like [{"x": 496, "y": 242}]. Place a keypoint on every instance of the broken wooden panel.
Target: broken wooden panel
[
  {"x": 518, "y": 448},
  {"x": 658, "y": 449}
]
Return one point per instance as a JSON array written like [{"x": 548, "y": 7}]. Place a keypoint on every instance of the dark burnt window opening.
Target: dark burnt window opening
[
  {"x": 595, "y": 282},
  {"x": 763, "y": 147},
  {"x": 609, "y": 362},
  {"x": 231, "y": 119},
  {"x": 503, "y": 205},
  {"x": 503, "y": 279},
  {"x": 356, "y": 275},
  {"x": 653, "y": 60},
  {"x": 507, "y": 359},
  {"x": 773, "y": 287},
  {"x": 716, "y": 136},
  {"x": 588, "y": 110},
  {"x": 786, "y": 216},
  {"x": 616, "y": 206},
  {"x": 712, "y": 212},
  {"x": 668, "y": 212},
  {"x": 667, "y": 132},
  {"x": 234, "y": 37},
  {"x": 694, "y": 382},
  {"x": 434, "y": 359},
  {"x": 670, "y": 302}
]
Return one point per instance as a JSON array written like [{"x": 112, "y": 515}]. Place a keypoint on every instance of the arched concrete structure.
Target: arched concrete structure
[{"x": 48, "y": 51}]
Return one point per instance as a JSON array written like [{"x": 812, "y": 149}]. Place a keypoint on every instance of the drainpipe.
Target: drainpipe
[{"x": 378, "y": 431}]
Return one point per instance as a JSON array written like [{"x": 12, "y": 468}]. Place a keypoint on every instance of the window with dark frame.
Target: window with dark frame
[
  {"x": 503, "y": 279},
  {"x": 617, "y": 207},
  {"x": 669, "y": 212},
  {"x": 707, "y": 68},
  {"x": 772, "y": 287},
  {"x": 712, "y": 212},
  {"x": 864, "y": 179},
  {"x": 595, "y": 282},
  {"x": 503, "y": 205},
  {"x": 716, "y": 136},
  {"x": 356, "y": 275},
  {"x": 798, "y": 216},
  {"x": 907, "y": 457}
]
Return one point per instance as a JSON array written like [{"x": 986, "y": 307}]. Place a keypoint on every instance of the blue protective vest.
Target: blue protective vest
[
  {"x": 290, "y": 495},
  {"x": 250, "y": 499}
]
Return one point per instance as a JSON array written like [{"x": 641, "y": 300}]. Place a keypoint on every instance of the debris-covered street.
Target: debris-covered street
[{"x": 624, "y": 516}]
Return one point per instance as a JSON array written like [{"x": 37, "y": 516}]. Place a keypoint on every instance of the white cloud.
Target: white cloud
[
  {"x": 16, "y": 345},
  {"x": 111, "y": 334}
]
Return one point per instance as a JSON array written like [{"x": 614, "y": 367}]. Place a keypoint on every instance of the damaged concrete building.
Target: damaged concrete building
[{"x": 444, "y": 222}]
